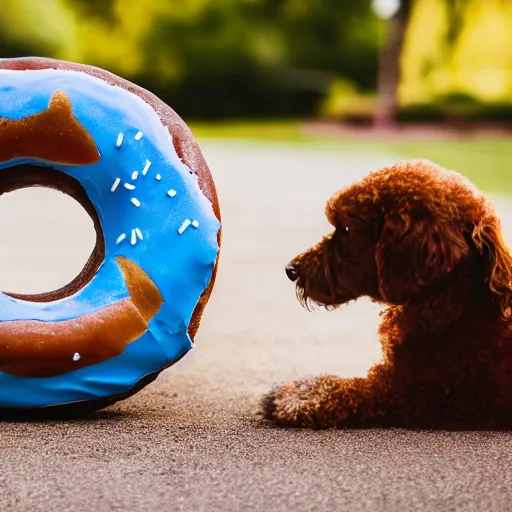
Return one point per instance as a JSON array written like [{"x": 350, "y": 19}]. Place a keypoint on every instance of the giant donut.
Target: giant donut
[{"x": 135, "y": 167}]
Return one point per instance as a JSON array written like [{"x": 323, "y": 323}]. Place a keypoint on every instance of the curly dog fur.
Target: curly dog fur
[{"x": 428, "y": 244}]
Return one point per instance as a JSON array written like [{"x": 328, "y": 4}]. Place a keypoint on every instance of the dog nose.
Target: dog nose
[{"x": 292, "y": 272}]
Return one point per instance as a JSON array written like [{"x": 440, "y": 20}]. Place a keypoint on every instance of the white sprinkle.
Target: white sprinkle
[
  {"x": 129, "y": 186},
  {"x": 171, "y": 193},
  {"x": 135, "y": 201},
  {"x": 134, "y": 175},
  {"x": 139, "y": 234},
  {"x": 76, "y": 356},
  {"x": 185, "y": 225},
  {"x": 134, "y": 237},
  {"x": 120, "y": 139},
  {"x": 115, "y": 185},
  {"x": 158, "y": 177},
  {"x": 139, "y": 136},
  {"x": 146, "y": 168},
  {"x": 120, "y": 238},
  {"x": 195, "y": 224}
]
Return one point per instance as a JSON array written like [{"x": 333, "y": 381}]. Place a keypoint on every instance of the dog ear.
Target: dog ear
[
  {"x": 412, "y": 253},
  {"x": 488, "y": 238}
]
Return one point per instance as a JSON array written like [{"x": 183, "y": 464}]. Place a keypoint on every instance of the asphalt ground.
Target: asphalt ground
[{"x": 193, "y": 440}]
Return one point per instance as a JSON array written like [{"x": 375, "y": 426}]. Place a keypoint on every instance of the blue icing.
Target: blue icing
[
  {"x": 106, "y": 287},
  {"x": 180, "y": 265}
]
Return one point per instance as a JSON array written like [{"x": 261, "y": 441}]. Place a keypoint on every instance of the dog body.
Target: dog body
[{"x": 428, "y": 244}]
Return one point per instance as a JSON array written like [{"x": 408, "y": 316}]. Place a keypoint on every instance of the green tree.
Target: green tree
[{"x": 208, "y": 58}]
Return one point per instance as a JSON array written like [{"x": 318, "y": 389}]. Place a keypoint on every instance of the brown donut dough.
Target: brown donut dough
[
  {"x": 184, "y": 144},
  {"x": 40, "y": 135},
  {"x": 53, "y": 345}
]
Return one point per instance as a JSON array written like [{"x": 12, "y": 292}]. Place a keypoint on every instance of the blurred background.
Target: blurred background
[
  {"x": 393, "y": 71},
  {"x": 357, "y": 61},
  {"x": 360, "y": 62},
  {"x": 378, "y": 79}
]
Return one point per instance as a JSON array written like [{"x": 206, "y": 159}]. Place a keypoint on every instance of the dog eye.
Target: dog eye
[{"x": 345, "y": 229}]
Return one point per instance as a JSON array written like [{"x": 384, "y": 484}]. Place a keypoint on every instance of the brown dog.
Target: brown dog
[{"x": 425, "y": 242}]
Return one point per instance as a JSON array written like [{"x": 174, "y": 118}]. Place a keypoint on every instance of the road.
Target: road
[{"x": 192, "y": 440}]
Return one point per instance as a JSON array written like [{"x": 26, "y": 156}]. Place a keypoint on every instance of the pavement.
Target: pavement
[{"x": 192, "y": 440}]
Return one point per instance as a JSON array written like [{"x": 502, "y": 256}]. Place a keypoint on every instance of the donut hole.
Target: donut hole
[{"x": 52, "y": 243}]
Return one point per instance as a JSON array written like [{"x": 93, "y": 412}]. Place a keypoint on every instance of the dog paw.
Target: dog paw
[{"x": 304, "y": 404}]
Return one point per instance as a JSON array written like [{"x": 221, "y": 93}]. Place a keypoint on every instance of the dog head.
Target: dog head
[{"x": 400, "y": 231}]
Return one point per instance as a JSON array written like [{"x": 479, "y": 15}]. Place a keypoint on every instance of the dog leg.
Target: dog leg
[{"x": 323, "y": 402}]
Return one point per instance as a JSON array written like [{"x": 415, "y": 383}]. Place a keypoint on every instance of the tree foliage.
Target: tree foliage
[
  {"x": 229, "y": 58},
  {"x": 207, "y": 57}
]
